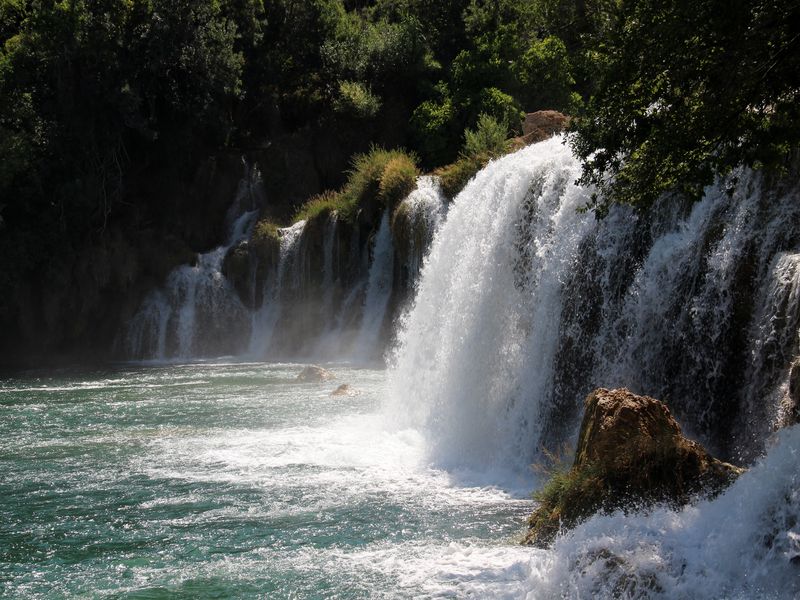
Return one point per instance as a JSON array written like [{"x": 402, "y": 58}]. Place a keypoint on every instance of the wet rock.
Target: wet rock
[
  {"x": 630, "y": 452},
  {"x": 314, "y": 373},
  {"x": 541, "y": 125},
  {"x": 344, "y": 390},
  {"x": 794, "y": 393}
]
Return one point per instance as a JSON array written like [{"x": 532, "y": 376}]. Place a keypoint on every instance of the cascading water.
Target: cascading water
[
  {"x": 525, "y": 304},
  {"x": 379, "y": 290},
  {"x": 195, "y": 310},
  {"x": 266, "y": 318}
]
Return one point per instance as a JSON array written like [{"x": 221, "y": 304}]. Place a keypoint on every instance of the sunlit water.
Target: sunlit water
[{"x": 231, "y": 480}]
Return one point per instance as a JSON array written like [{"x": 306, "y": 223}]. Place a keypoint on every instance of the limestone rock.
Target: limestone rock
[
  {"x": 314, "y": 373},
  {"x": 630, "y": 452},
  {"x": 541, "y": 125},
  {"x": 344, "y": 390}
]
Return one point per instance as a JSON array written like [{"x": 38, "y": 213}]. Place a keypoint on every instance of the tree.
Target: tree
[{"x": 687, "y": 90}]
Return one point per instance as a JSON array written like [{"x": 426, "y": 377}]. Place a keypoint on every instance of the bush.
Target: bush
[
  {"x": 489, "y": 137},
  {"x": 485, "y": 142},
  {"x": 456, "y": 175},
  {"x": 264, "y": 231},
  {"x": 323, "y": 205},
  {"x": 381, "y": 175},
  {"x": 356, "y": 100},
  {"x": 399, "y": 179}
]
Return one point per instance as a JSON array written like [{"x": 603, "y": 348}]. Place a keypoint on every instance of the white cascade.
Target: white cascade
[
  {"x": 379, "y": 291},
  {"x": 266, "y": 318},
  {"x": 196, "y": 305},
  {"x": 525, "y": 304}
]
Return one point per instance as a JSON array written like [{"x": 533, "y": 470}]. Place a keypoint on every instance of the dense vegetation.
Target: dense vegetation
[{"x": 109, "y": 109}]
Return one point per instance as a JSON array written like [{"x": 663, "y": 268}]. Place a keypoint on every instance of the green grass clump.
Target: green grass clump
[
  {"x": 570, "y": 495},
  {"x": 265, "y": 230},
  {"x": 485, "y": 142},
  {"x": 398, "y": 180},
  {"x": 383, "y": 175},
  {"x": 455, "y": 176},
  {"x": 323, "y": 205}
]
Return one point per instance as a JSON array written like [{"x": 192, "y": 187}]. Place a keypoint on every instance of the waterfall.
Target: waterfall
[
  {"x": 379, "y": 290},
  {"x": 266, "y": 318},
  {"x": 525, "y": 304},
  {"x": 195, "y": 307},
  {"x": 416, "y": 221}
]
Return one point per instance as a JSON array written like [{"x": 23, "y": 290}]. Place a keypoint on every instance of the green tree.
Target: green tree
[{"x": 688, "y": 90}]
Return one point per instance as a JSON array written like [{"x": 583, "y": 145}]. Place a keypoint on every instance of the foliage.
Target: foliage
[
  {"x": 381, "y": 175},
  {"x": 687, "y": 90},
  {"x": 489, "y": 137},
  {"x": 323, "y": 205},
  {"x": 485, "y": 142},
  {"x": 265, "y": 230},
  {"x": 356, "y": 100}
]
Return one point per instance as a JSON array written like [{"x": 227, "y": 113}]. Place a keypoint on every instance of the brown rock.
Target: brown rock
[
  {"x": 541, "y": 125},
  {"x": 630, "y": 452},
  {"x": 313, "y": 373},
  {"x": 344, "y": 390}
]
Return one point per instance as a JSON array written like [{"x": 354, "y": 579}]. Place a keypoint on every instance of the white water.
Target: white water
[
  {"x": 477, "y": 347},
  {"x": 265, "y": 318},
  {"x": 426, "y": 209},
  {"x": 525, "y": 304},
  {"x": 379, "y": 290},
  {"x": 195, "y": 304}
]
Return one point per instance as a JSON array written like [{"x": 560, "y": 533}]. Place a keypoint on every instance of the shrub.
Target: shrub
[
  {"x": 356, "y": 100},
  {"x": 456, "y": 175},
  {"x": 324, "y": 204},
  {"x": 265, "y": 230},
  {"x": 399, "y": 179},
  {"x": 381, "y": 175},
  {"x": 485, "y": 142},
  {"x": 489, "y": 137}
]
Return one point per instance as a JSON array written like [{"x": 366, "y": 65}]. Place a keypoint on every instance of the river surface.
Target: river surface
[{"x": 217, "y": 480}]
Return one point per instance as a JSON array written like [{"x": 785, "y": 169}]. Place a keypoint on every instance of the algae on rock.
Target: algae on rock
[{"x": 630, "y": 452}]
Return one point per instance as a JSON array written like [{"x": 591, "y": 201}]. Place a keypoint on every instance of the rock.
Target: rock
[
  {"x": 344, "y": 390},
  {"x": 789, "y": 413},
  {"x": 313, "y": 373},
  {"x": 630, "y": 452},
  {"x": 541, "y": 125}
]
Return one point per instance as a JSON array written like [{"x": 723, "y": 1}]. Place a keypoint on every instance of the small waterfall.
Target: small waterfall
[
  {"x": 416, "y": 221},
  {"x": 379, "y": 291},
  {"x": 266, "y": 318},
  {"x": 196, "y": 309},
  {"x": 775, "y": 343},
  {"x": 525, "y": 304}
]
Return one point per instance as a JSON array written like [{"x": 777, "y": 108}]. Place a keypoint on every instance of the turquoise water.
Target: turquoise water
[{"x": 231, "y": 480}]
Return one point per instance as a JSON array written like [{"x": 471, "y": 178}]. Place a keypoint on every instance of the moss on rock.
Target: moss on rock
[{"x": 630, "y": 452}]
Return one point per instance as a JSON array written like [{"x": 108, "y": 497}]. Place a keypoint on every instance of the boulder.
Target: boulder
[
  {"x": 344, "y": 390},
  {"x": 630, "y": 453},
  {"x": 541, "y": 125},
  {"x": 313, "y": 373}
]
